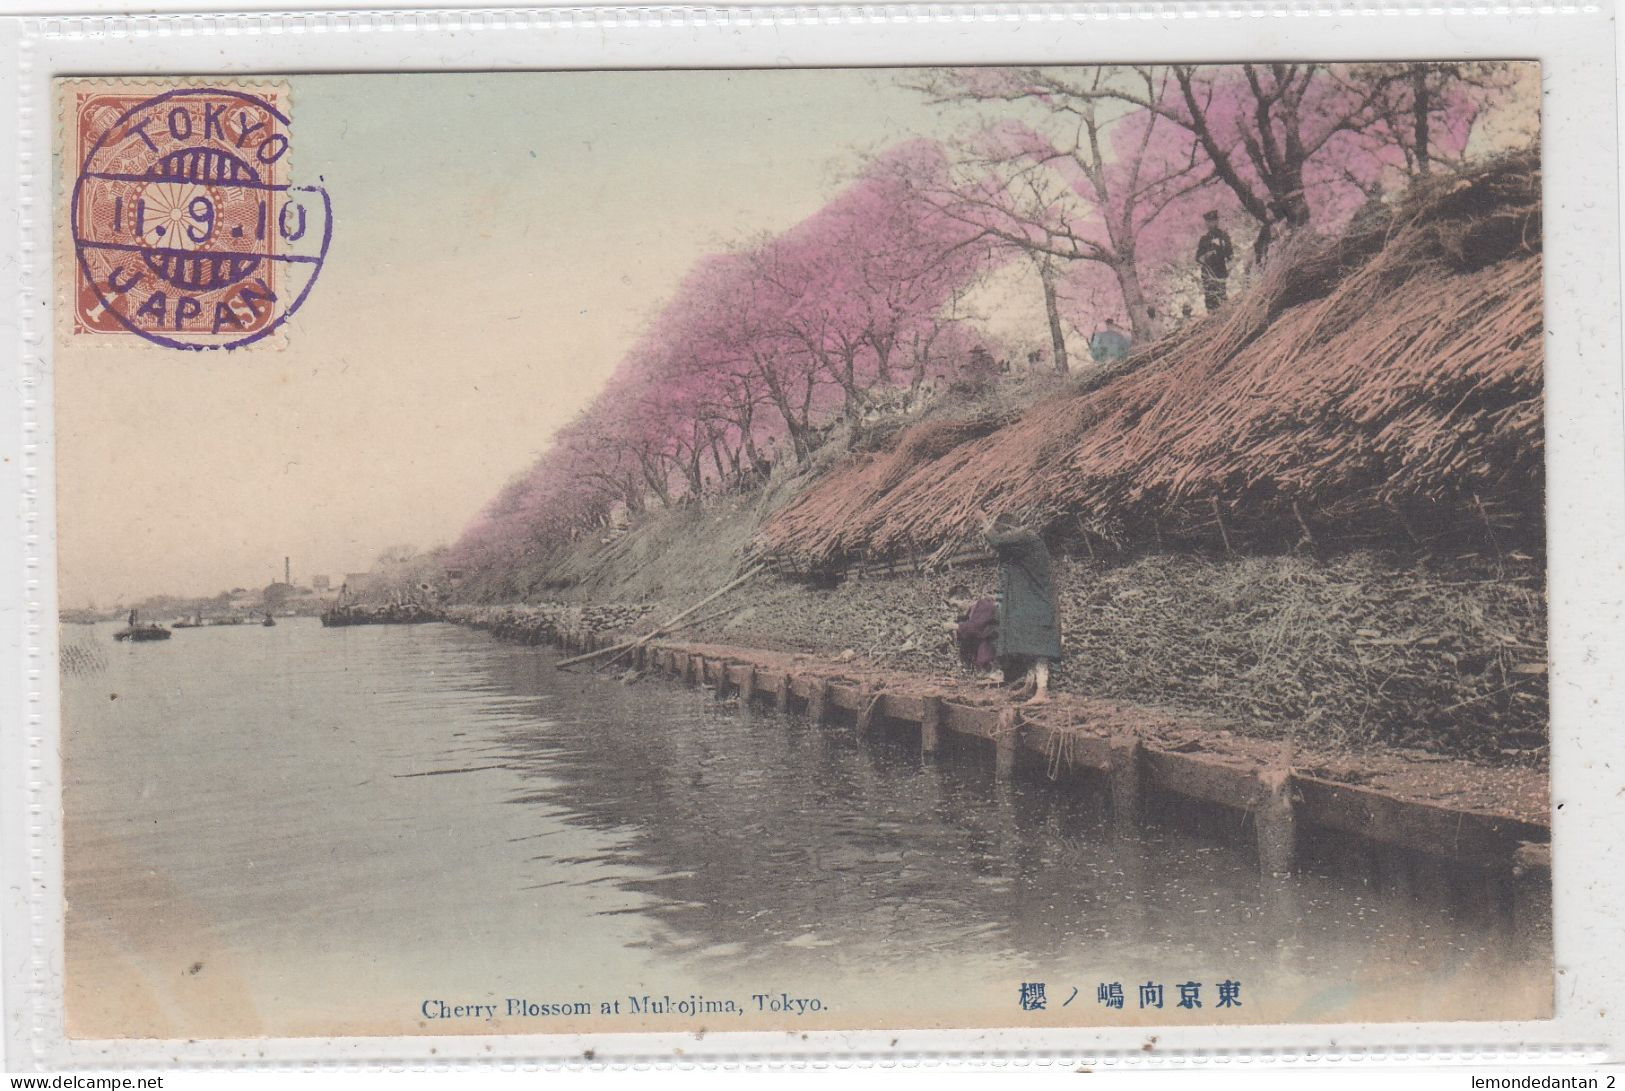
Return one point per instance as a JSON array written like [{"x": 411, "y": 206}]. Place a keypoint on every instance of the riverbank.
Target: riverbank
[
  {"x": 1282, "y": 516},
  {"x": 1365, "y": 652}
]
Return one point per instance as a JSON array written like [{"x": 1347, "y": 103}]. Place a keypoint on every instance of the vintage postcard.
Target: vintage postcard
[
  {"x": 797, "y": 550},
  {"x": 1053, "y": 545}
]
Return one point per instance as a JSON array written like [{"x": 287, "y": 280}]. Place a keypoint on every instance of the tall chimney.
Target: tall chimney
[{"x": 287, "y": 571}]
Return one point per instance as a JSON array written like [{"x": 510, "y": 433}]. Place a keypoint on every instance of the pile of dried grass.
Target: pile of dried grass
[
  {"x": 1384, "y": 384},
  {"x": 1359, "y": 649}
]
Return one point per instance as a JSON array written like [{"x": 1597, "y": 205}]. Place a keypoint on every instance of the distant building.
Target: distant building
[
  {"x": 359, "y": 583},
  {"x": 320, "y": 583}
]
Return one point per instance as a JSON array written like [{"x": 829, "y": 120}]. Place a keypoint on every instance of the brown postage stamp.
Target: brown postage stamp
[
  {"x": 1060, "y": 548},
  {"x": 184, "y": 230}
]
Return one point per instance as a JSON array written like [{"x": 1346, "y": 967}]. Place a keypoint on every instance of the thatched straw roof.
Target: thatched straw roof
[{"x": 1387, "y": 383}]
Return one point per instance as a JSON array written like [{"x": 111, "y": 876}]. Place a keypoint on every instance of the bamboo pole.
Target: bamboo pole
[
  {"x": 626, "y": 648},
  {"x": 658, "y": 630}
]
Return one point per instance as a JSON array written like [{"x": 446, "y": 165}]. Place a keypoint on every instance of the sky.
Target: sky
[{"x": 499, "y": 241}]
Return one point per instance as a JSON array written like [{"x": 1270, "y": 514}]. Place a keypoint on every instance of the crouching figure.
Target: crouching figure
[{"x": 975, "y": 631}]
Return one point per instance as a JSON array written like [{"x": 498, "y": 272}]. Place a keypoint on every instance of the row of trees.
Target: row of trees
[
  {"x": 1104, "y": 173},
  {"x": 1094, "y": 179}
]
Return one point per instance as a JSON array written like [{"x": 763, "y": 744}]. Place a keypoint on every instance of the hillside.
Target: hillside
[
  {"x": 1384, "y": 387},
  {"x": 1317, "y": 513}
]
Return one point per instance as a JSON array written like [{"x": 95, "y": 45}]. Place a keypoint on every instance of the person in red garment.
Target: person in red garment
[{"x": 976, "y": 632}]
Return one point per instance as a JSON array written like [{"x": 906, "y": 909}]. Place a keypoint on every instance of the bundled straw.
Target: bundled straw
[{"x": 1389, "y": 382}]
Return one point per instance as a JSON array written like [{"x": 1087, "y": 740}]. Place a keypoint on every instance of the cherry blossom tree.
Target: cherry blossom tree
[
  {"x": 867, "y": 272},
  {"x": 1292, "y": 143},
  {"x": 1066, "y": 178}
]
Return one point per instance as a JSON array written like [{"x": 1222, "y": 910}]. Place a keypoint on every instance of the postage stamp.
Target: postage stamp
[
  {"x": 186, "y": 232},
  {"x": 1072, "y": 548}
]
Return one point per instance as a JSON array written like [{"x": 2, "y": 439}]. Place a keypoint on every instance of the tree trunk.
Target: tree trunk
[
  {"x": 1216, "y": 152},
  {"x": 781, "y": 401},
  {"x": 656, "y": 477},
  {"x": 1052, "y": 309},
  {"x": 691, "y": 471},
  {"x": 882, "y": 347},
  {"x": 847, "y": 375},
  {"x": 1421, "y": 105},
  {"x": 804, "y": 425},
  {"x": 752, "y": 455},
  {"x": 1141, "y": 325},
  {"x": 1293, "y": 200},
  {"x": 633, "y": 496},
  {"x": 716, "y": 458}
]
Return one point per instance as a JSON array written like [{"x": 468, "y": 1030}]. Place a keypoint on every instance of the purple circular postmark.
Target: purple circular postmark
[{"x": 186, "y": 229}]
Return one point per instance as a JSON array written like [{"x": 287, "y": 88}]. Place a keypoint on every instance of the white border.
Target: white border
[{"x": 1586, "y": 446}]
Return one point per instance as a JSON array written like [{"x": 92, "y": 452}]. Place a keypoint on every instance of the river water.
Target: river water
[{"x": 303, "y": 831}]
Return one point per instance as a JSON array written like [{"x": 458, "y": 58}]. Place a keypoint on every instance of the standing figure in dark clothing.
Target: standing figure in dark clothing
[
  {"x": 1029, "y": 631},
  {"x": 1213, "y": 254}
]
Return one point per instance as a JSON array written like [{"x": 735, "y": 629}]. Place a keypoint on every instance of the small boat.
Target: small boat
[
  {"x": 136, "y": 631},
  {"x": 195, "y": 623},
  {"x": 269, "y": 621},
  {"x": 143, "y": 632}
]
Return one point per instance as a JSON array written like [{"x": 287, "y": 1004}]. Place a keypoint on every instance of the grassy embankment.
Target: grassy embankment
[{"x": 1444, "y": 653}]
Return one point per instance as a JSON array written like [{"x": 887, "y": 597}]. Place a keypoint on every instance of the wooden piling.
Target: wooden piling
[
  {"x": 930, "y": 727},
  {"x": 1127, "y": 781},
  {"x": 1004, "y": 745},
  {"x": 1532, "y": 895},
  {"x": 868, "y": 706},
  {"x": 747, "y": 693},
  {"x": 818, "y": 700},
  {"x": 1275, "y": 821},
  {"x": 781, "y": 693},
  {"x": 723, "y": 681}
]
